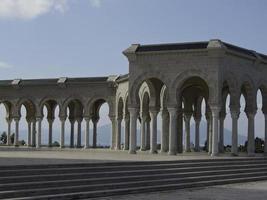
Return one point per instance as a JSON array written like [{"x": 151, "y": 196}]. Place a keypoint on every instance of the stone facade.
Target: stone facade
[{"x": 168, "y": 79}]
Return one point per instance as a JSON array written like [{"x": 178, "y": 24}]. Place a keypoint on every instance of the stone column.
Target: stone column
[
  {"x": 62, "y": 134},
  {"x": 126, "y": 132},
  {"x": 215, "y": 128},
  {"x": 29, "y": 142},
  {"x": 164, "y": 131},
  {"x": 143, "y": 132},
  {"x": 9, "y": 121},
  {"x": 33, "y": 132},
  {"x": 251, "y": 133},
  {"x": 79, "y": 132},
  {"x": 95, "y": 120},
  {"x": 16, "y": 137},
  {"x": 113, "y": 131},
  {"x": 208, "y": 131},
  {"x": 118, "y": 133},
  {"x": 197, "y": 124},
  {"x": 39, "y": 132},
  {"x": 265, "y": 140},
  {"x": 133, "y": 124},
  {"x": 210, "y": 134},
  {"x": 50, "y": 131},
  {"x": 235, "y": 115},
  {"x": 180, "y": 130},
  {"x": 172, "y": 130},
  {"x": 86, "y": 132},
  {"x": 153, "y": 139},
  {"x": 72, "y": 123},
  {"x": 148, "y": 132},
  {"x": 221, "y": 133},
  {"x": 187, "y": 118}
]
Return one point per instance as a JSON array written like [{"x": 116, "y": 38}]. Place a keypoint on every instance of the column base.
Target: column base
[
  {"x": 153, "y": 151},
  {"x": 234, "y": 154},
  {"x": 117, "y": 148},
  {"x": 251, "y": 154},
  {"x": 214, "y": 154},
  {"x": 132, "y": 152},
  {"x": 126, "y": 149},
  {"x": 163, "y": 151},
  {"x": 172, "y": 153}
]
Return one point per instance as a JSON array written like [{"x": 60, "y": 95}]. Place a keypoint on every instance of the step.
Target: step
[
  {"x": 74, "y": 182},
  {"x": 134, "y": 190},
  {"x": 133, "y": 184},
  {"x": 37, "y": 171},
  {"x": 70, "y": 175}
]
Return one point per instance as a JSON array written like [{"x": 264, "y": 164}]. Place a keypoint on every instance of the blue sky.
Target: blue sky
[
  {"x": 73, "y": 38},
  {"x": 85, "y": 38}
]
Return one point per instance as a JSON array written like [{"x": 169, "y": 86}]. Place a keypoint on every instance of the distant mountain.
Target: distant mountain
[{"x": 104, "y": 134}]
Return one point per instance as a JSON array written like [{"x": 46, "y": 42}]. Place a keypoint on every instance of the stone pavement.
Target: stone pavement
[
  {"x": 24, "y": 156},
  {"x": 239, "y": 191}
]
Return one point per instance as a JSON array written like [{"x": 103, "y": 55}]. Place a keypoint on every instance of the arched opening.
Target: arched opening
[
  {"x": 260, "y": 121},
  {"x": 6, "y": 136},
  {"x": 74, "y": 113},
  {"x": 102, "y": 129},
  {"x": 149, "y": 93},
  {"x": 50, "y": 124},
  {"x": 191, "y": 93}
]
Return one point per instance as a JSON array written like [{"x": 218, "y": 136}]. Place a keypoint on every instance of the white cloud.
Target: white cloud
[
  {"x": 4, "y": 65},
  {"x": 29, "y": 9},
  {"x": 96, "y": 3}
]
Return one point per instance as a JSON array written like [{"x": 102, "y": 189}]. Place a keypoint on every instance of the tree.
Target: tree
[{"x": 3, "y": 138}]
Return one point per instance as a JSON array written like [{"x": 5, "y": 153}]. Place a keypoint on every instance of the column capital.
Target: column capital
[
  {"x": 222, "y": 115},
  {"x": 39, "y": 118},
  {"x": 153, "y": 111},
  {"x": 235, "y": 114},
  {"x": 250, "y": 115},
  {"x": 87, "y": 118},
  {"x": 50, "y": 120},
  {"x": 8, "y": 119},
  {"x": 96, "y": 119},
  {"x": 16, "y": 119},
  {"x": 62, "y": 118},
  {"x": 187, "y": 116},
  {"x": 172, "y": 110},
  {"x": 133, "y": 111},
  {"x": 197, "y": 119},
  {"x": 215, "y": 111},
  {"x": 79, "y": 119}
]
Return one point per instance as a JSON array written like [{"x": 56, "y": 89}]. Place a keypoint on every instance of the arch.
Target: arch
[
  {"x": 145, "y": 77},
  {"x": 29, "y": 105},
  {"x": 181, "y": 79}
]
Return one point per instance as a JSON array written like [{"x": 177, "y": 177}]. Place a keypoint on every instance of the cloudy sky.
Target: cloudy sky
[{"x": 55, "y": 38}]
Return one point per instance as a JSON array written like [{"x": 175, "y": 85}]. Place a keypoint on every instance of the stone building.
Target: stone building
[{"x": 170, "y": 80}]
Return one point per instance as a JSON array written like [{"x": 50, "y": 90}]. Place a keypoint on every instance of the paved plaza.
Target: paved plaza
[{"x": 240, "y": 191}]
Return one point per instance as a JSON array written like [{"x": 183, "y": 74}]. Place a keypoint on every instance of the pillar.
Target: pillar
[
  {"x": 33, "y": 132},
  {"x": 118, "y": 133},
  {"x": 72, "y": 123},
  {"x": 29, "y": 142},
  {"x": 79, "y": 131},
  {"x": 215, "y": 129},
  {"x": 235, "y": 115},
  {"x": 95, "y": 120},
  {"x": 143, "y": 132},
  {"x": 113, "y": 131},
  {"x": 9, "y": 121},
  {"x": 172, "y": 130},
  {"x": 148, "y": 133},
  {"x": 179, "y": 131},
  {"x": 154, "y": 131},
  {"x": 265, "y": 140},
  {"x": 39, "y": 132},
  {"x": 187, "y": 118},
  {"x": 62, "y": 133},
  {"x": 208, "y": 131},
  {"x": 50, "y": 131},
  {"x": 197, "y": 124},
  {"x": 16, "y": 136},
  {"x": 86, "y": 132},
  {"x": 126, "y": 132},
  {"x": 221, "y": 132},
  {"x": 251, "y": 133},
  {"x": 164, "y": 131},
  {"x": 210, "y": 134},
  {"x": 133, "y": 124}
]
